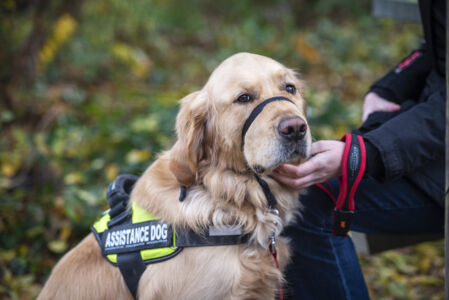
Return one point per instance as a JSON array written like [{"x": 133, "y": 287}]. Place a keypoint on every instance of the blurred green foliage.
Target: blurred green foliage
[
  {"x": 410, "y": 273},
  {"x": 89, "y": 90}
]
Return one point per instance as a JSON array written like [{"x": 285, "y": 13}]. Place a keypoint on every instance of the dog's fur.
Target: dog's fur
[{"x": 208, "y": 158}]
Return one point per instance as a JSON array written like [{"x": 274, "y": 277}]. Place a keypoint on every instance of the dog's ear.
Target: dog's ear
[{"x": 190, "y": 128}]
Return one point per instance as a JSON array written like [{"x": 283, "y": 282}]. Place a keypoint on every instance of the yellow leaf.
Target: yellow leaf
[
  {"x": 73, "y": 178},
  {"x": 136, "y": 156},
  {"x": 63, "y": 29},
  {"x": 8, "y": 169},
  {"x": 23, "y": 250},
  {"x": 41, "y": 144},
  {"x": 87, "y": 197},
  {"x": 147, "y": 124},
  {"x": 57, "y": 246},
  {"x": 7, "y": 255},
  {"x": 111, "y": 172},
  {"x": 66, "y": 230},
  {"x": 138, "y": 61}
]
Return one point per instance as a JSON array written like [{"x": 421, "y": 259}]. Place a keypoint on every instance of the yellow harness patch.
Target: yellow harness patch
[{"x": 155, "y": 240}]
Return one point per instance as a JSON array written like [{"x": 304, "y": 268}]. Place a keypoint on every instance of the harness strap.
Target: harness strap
[
  {"x": 352, "y": 167},
  {"x": 257, "y": 110},
  {"x": 189, "y": 238},
  {"x": 132, "y": 267},
  {"x": 266, "y": 190}
]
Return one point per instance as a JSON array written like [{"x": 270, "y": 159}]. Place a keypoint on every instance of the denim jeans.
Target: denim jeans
[{"x": 325, "y": 267}]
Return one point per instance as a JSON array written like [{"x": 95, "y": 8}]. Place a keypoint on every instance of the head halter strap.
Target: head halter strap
[{"x": 256, "y": 111}]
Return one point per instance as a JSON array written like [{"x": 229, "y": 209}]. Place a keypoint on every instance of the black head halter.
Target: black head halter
[{"x": 256, "y": 111}]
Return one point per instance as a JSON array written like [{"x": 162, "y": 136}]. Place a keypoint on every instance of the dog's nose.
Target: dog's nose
[{"x": 293, "y": 129}]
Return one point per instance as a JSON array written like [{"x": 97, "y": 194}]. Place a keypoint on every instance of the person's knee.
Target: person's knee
[{"x": 315, "y": 211}]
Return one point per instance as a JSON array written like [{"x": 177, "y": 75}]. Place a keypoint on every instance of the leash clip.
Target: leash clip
[
  {"x": 274, "y": 211},
  {"x": 272, "y": 245}
]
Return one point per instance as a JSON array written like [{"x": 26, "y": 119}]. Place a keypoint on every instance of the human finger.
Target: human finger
[
  {"x": 318, "y": 147},
  {"x": 307, "y": 168},
  {"x": 296, "y": 183},
  {"x": 390, "y": 106},
  {"x": 286, "y": 170}
]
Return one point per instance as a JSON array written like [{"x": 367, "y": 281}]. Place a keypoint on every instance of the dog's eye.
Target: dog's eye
[
  {"x": 290, "y": 89},
  {"x": 245, "y": 98}
]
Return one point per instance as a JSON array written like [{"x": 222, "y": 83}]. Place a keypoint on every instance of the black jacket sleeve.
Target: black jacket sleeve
[
  {"x": 374, "y": 166},
  {"x": 409, "y": 140},
  {"x": 406, "y": 80}
]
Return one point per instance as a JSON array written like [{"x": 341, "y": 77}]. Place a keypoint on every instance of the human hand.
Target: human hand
[
  {"x": 374, "y": 102},
  {"x": 324, "y": 165}
]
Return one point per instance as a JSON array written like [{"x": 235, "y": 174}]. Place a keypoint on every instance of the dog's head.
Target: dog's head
[{"x": 210, "y": 122}]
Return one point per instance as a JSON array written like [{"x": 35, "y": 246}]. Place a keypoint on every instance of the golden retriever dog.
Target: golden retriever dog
[{"x": 218, "y": 167}]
